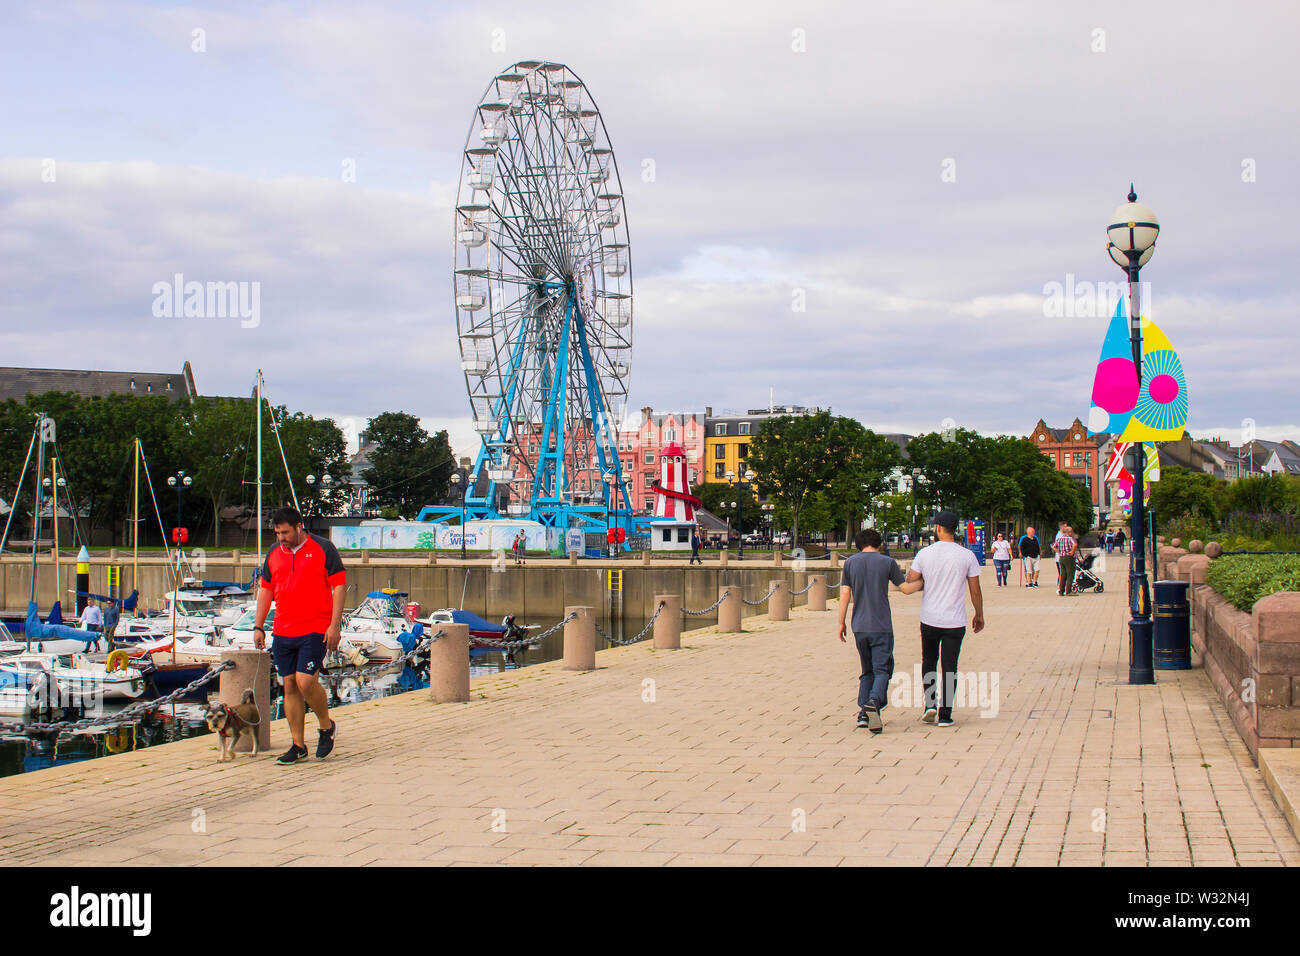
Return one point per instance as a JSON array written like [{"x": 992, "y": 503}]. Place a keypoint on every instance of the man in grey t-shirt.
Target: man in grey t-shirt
[{"x": 865, "y": 584}]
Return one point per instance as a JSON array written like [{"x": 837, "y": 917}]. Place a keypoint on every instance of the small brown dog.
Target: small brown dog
[{"x": 229, "y": 723}]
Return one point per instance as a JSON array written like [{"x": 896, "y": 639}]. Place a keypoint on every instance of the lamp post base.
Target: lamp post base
[{"x": 1141, "y": 657}]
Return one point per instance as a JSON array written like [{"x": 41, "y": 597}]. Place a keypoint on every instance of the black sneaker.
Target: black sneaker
[
  {"x": 874, "y": 723},
  {"x": 862, "y": 718},
  {"x": 325, "y": 743},
  {"x": 292, "y": 755},
  {"x": 944, "y": 721}
]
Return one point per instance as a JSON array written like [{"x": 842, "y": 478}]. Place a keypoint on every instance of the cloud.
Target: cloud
[{"x": 776, "y": 172}]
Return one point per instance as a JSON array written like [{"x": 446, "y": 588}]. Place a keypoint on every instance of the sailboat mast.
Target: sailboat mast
[
  {"x": 36, "y": 509},
  {"x": 259, "y": 468},
  {"x": 135, "y": 523},
  {"x": 54, "y": 522}
]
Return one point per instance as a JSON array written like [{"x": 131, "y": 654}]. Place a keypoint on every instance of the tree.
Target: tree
[
  {"x": 795, "y": 455},
  {"x": 1180, "y": 492},
  {"x": 862, "y": 474},
  {"x": 409, "y": 468},
  {"x": 716, "y": 496}
]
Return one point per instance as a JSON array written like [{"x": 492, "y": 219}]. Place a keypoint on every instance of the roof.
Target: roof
[{"x": 18, "y": 383}]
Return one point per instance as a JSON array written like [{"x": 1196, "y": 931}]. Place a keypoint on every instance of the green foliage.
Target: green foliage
[
  {"x": 797, "y": 456},
  {"x": 409, "y": 468},
  {"x": 1243, "y": 579},
  {"x": 718, "y": 495},
  {"x": 211, "y": 439},
  {"x": 1257, "y": 494},
  {"x": 1181, "y": 492}
]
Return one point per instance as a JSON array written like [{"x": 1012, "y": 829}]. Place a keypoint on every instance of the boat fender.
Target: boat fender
[
  {"x": 117, "y": 743},
  {"x": 119, "y": 660}
]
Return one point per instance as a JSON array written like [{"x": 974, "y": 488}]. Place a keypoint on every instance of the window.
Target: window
[
  {"x": 670, "y": 434},
  {"x": 719, "y": 470},
  {"x": 649, "y": 458},
  {"x": 690, "y": 434},
  {"x": 719, "y": 451},
  {"x": 1078, "y": 460},
  {"x": 668, "y": 535},
  {"x": 744, "y": 428},
  {"x": 683, "y": 535},
  {"x": 719, "y": 429},
  {"x": 649, "y": 504},
  {"x": 743, "y": 452}
]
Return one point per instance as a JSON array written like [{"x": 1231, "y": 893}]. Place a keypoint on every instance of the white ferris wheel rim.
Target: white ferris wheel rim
[{"x": 510, "y": 264}]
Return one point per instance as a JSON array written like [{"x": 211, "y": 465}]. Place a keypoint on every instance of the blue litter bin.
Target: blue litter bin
[
  {"x": 1173, "y": 625},
  {"x": 974, "y": 530}
]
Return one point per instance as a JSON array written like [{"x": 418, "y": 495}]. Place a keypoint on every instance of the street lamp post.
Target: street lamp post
[
  {"x": 1132, "y": 241},
  {"x": 455, "y": 480},
  {"x": 314, "y": 508},
  {"x": 739, "y": 487},
  {"x": 180, "y": 481}
]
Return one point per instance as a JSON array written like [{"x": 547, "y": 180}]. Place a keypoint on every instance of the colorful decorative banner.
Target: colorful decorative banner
[
  {"x": 1161, "y": 410},
  {"x": 1115, "y": 385}
]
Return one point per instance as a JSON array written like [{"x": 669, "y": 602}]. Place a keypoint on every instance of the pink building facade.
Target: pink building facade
[{"x": 640, "y": 448}]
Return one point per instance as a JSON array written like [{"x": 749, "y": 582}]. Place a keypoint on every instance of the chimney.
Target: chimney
[{"x": 708, "y": 411}]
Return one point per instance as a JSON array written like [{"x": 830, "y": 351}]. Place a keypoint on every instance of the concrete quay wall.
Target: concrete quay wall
[{"x": 536, "y": 591}]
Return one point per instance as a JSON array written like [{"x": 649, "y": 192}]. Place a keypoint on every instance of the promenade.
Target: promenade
[{"x": 737, "y": 750}]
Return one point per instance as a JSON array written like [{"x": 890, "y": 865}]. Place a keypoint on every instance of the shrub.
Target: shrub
[{"x": 1243, "y": 579}]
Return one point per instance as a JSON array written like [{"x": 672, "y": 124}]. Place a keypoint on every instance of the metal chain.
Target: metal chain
[
  {"x": 803, "y": 590},
  {"x": 378, "y": 667},
  {"x": 532, "y": 641},
  {"x": 706, "y": 610},
  {"x": 126, "y": 715},
  {"x": 762, "y": 599},
  {"x": 644, "y": 631}
]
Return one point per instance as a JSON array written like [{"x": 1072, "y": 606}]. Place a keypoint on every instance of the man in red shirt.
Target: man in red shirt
[{"x": 304, "y": 575}]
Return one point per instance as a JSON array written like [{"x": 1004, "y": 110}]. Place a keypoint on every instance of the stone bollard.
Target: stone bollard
[
  {"x": 668, "y": 625},
  {"x": 433, "y": 557},
  {"x": 1213, "y": 549},
  {"x": 580, "y": 640},
  {"x": 817, "y": 593},
  {"x": 573, "y": 559},
  {"x": 112, "y": 554},
  {"x": 722, "y": 558},
  {"x": 645, "y": 556},
  {"x": 365, "y": 556},
  {"x": 1176, "y": 543},
  {"x": 776, "y": 559},
  {"x": 449, "y": 663},
  {"x": 729, "y": 610},
  {"x": 252, "y": 669},
  {"x": 778, "y": 605},
  {"x": 1191, "y": 568},
  {"x": 236, "y": 557},
  {"x": 835, "y": 560},
  {"x": 1196, "y": 546}
]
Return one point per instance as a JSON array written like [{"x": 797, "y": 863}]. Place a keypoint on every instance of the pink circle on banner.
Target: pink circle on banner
[
  {"x": 1164, "y": 389},
  {"x": 1115, "y": 388}
]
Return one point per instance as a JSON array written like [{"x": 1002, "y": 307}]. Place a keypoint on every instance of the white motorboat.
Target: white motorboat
[
  {"x": 370, "y": 629},
  {"x": 76, "y": 676}
]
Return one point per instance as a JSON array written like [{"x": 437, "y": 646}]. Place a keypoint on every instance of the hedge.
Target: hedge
[{"x": 1243, "y": 579}]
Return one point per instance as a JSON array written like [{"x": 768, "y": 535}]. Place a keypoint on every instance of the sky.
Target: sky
[{"x": 920, "y": 177}]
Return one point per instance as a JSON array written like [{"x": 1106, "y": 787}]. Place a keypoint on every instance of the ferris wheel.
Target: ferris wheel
[{"x": 543, "y": 286}]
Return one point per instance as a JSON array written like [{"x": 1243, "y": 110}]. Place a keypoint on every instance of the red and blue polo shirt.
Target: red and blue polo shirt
[{"x": 301, "y": 583}]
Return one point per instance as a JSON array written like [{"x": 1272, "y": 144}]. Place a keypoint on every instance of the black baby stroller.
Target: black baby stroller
[{"x": 1085, "y": 578}]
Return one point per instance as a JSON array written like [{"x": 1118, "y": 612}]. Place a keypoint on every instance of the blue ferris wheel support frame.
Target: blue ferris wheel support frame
[{"x": 552, "y": 501}]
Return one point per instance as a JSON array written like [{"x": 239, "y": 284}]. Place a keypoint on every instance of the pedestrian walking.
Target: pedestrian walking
[
  {"x": 1030, "y": 549},
  {"x": 864, "y": 583},
  {"x": 303, "y": 574},
  {"x": 1065, "y": 547},
  {"x": 1120, "y": 539},
  {"x": 695, "y": 547},
  {"x": 944, "y": 572},
  {"x": 1001, "y": 559},
  {"x": 92, "y": 618}
]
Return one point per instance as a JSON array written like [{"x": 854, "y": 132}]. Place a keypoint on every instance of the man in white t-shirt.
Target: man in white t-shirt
[{"x": 944, "y": 572}]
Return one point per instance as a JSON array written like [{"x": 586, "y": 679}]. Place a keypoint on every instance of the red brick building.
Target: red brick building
[{"x": 1082, "y": 458}]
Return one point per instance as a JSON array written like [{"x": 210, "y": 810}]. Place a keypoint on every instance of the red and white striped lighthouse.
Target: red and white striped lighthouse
[{"x": 673, "y": 498}]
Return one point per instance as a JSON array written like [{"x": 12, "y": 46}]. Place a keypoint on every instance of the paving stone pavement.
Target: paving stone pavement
[{"x": 737, "y": 750}]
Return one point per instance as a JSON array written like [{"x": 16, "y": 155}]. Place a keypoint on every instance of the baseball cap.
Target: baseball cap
[{"x": 946, "y": 519}]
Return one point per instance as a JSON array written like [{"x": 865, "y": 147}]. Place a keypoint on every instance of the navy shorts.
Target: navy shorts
[{"x": 298, "y": 655}]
